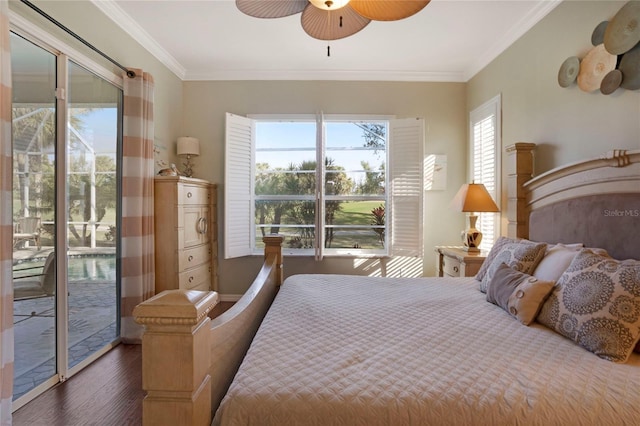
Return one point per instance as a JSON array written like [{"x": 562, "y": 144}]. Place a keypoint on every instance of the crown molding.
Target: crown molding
[
  {"x": 114, "y": 12},
  {"x": 340, "y": 75},
  {"x": 518, "y": 29},
  {"x": 131, "y": 27}
]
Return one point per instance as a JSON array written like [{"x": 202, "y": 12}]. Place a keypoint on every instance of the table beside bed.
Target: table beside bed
[{"x": 456, "y": 262}]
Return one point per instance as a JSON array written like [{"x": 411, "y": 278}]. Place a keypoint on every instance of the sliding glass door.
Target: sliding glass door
[
  {"x": 92, "y": 206},
  {"x": 66, "y": 127},
  {"x": 34, "y": 215}
]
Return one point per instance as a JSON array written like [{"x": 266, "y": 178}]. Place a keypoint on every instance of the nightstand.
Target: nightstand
[{"x": 455, "y": 262}]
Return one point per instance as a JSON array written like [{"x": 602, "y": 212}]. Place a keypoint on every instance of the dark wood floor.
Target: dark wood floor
[{"x": 107, "y": 393}]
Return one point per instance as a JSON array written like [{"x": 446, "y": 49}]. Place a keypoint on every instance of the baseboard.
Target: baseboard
[{"x": 230, "y": 297}]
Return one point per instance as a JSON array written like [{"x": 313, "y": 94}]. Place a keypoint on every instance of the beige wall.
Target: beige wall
[
  {"x": 441, "y": 104},
  {"x": 90, "y": 23},
  {"x": 567, "y": 123}
]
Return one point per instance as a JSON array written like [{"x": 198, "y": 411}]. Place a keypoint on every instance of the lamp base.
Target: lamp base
[
  {"x": 471, "y": 249},
  {"x": 472, "y": 237},
  {"x": 188, "y": 167}
]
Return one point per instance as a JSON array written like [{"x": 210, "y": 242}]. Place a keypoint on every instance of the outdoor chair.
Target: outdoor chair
[
  {"x": 27, "y": 229},
  {"x": 37, "y": 281}
]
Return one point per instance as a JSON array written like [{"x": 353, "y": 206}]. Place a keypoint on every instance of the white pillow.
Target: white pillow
[{"x": 556, "y": 260}]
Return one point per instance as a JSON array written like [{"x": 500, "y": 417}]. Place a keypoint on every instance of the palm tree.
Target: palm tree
[{"x": 34, "y": 130}]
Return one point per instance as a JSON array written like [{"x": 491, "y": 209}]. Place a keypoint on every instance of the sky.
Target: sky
[
  {"x": 344, "y": 144},
  {"x": 101, "y": 129}
]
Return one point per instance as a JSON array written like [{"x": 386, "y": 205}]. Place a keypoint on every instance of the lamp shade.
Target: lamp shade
[
  {"x": 473, "y": 197},
  {"x": 188, "y": 146}
]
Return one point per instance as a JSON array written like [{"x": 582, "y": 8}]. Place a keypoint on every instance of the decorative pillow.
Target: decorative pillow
[
  {"x": 522, "y": 256},
  {"x": 518, "y": 293},
  {"x": 596, "y": 303},
  {"x": 556, "y": 260},
  {"x": 602, "y": 252},
  {"x": 497, "y": 247}
]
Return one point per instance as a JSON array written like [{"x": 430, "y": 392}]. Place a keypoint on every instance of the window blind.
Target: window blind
[
  {"x": 238, "y": 184},
  {"x": 485, "y": 143},
  {"x": 407, "y": 183}
]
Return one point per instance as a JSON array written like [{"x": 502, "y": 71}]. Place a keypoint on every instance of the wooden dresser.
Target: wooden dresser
[{"x": 186, "y": 233}]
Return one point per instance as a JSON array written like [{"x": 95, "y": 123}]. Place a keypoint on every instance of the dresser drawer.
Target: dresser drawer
[
  {"x": 192, "y": 257},
  {"x": 451, "y": 266},
  {"x": 197, "y": 277},
  {"x": 193, "y": 195}
]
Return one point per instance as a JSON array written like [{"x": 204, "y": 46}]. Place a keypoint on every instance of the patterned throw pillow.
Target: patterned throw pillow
[
  {"x": 596, "y": 303},
  {"x": 520, "y": 294},
  {"x": 497, "y": 247},
  {"x": 522, "y": 256}
]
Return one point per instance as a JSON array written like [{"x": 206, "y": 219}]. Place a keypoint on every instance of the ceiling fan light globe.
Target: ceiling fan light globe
[{"x": 329, "y": 4}]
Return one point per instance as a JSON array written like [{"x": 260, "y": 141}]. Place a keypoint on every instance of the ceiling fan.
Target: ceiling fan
[{"x": 333, "y": 19}]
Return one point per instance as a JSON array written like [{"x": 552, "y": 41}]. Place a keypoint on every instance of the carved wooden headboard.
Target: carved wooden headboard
[{"x": 595, "y": 202}]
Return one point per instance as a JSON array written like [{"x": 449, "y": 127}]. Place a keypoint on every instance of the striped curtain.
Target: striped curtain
[
  {"x": 138, "y": 269},
  {"x": 6, "y": 228}
]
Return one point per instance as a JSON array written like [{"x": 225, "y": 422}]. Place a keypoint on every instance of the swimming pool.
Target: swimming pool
[{"x": 80, "y": 267}]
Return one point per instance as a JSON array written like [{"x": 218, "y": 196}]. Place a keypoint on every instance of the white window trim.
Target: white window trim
[
  {"x": 405, "y": 235},
  {"x": 492, "y": 107}
]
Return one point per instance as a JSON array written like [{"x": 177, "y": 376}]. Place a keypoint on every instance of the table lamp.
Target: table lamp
[
  {"x": 473, "y": 198},
  {"x": 188, "y": 146}
]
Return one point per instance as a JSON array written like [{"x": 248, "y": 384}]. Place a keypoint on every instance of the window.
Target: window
[
  {"x": 325, "y": 184},
  {"x": 485, "y": 146}
]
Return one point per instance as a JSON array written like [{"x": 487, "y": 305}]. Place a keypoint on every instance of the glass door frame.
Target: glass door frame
[{"x": 61, "y": 170}]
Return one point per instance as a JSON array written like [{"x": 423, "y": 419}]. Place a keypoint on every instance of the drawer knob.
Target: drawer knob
[
  {"x": 190, "y": 279},
  {"x": 456, "y": 269},
  {"x": 190, "y": 258},
  {"x": 189, "y": 195}
]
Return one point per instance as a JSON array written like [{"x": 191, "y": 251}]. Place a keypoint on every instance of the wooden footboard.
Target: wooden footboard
[
  {"x": 188, "y": 360},
  {"x": 232, "y": 332}
]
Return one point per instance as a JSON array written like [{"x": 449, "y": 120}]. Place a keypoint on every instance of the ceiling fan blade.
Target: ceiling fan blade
[
  {"x": 326, "y": 25},
  {"x": 388, "y": 10},
  {"x": 271, "y": 8}
]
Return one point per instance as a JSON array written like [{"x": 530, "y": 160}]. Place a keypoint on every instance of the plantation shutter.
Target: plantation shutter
[
  {"x": 238, "y": 186},
  {"x": 485, "y": 162},
  {"x": 406, "y": 170}
]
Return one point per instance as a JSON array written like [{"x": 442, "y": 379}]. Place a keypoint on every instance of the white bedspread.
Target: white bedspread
[{"x": 346, "y": 350}]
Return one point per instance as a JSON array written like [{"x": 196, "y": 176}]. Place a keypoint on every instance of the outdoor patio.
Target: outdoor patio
[{"x": 92, "y": 314}]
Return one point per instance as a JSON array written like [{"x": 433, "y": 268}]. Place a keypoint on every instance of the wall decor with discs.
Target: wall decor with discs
[{"x": 614, "y": 60}]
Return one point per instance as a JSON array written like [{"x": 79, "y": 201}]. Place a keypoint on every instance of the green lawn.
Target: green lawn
[
  {"x": 356, "y": 213},
  {"x": 108, "y": 219}
]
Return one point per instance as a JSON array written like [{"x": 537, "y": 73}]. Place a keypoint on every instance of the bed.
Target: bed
[{"x": 340, "y": 350}]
